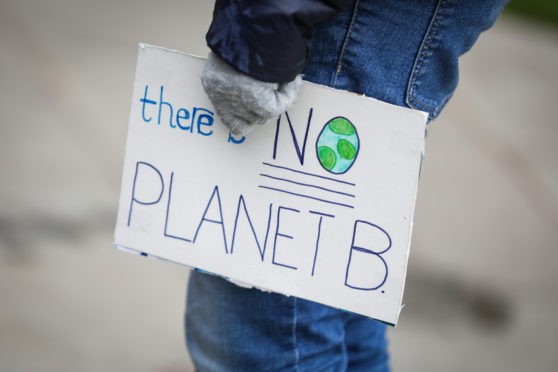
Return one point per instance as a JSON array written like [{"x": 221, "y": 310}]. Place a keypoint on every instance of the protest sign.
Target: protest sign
[{"x": 317, "y": 204}]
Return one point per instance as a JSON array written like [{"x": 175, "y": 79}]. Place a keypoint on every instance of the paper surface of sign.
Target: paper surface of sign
[{"x": 316, "y": 204}]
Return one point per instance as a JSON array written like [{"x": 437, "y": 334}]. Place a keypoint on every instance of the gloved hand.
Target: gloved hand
[{"x": 242, "y": 101}]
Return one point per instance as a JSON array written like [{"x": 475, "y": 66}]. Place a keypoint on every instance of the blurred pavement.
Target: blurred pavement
[{"x": 482, "y": 288}]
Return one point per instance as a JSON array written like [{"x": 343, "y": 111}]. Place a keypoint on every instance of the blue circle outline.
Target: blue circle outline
[{"x": 318, "y": 139}]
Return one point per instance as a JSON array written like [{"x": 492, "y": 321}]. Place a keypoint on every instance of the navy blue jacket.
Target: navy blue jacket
[{"x": 268, "y": 39}]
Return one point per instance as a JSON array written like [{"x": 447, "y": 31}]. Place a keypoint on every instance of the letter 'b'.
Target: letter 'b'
[{"x": 367, "y": 270}]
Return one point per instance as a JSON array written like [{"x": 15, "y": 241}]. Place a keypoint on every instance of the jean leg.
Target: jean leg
[
  {"x": 230, "y": 328},
  {"x": 367, "y": 346},
  {"x": 320, "y": 335}
]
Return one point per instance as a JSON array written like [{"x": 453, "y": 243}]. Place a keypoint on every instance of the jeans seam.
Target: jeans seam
[
  {"x": 345, "y": 43},
  {"x": 296, "y": 353},
  {"x": 431, "y": 32}
]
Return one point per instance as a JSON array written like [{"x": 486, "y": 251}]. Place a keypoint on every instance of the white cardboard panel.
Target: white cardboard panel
[{"x": 264, "y": 210}]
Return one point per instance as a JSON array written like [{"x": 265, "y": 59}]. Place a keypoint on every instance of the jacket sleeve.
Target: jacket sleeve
[{"x": 268, "y": 39}]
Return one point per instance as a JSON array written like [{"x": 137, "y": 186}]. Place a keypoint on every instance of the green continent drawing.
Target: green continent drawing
[
  {"x": 341, "y": 126},
  {"x": 346, "y": 149},
  {"x": 327, "y": 157},
  {"x": 337, "y": 145}
]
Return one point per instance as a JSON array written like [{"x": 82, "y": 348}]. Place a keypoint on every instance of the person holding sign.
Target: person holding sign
[{"x": 400, "y": 52}]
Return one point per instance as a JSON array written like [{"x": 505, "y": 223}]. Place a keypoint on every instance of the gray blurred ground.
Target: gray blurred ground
[{"x": 482, "y": 289}]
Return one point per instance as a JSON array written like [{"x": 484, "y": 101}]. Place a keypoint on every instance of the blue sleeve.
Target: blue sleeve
[{"x": 268, "y": 39}]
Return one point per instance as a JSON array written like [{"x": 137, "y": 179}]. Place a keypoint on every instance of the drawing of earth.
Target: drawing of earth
[{"x": 337, "y": 145}]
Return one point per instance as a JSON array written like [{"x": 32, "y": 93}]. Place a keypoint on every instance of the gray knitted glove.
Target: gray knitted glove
[{"x": 242, "y": 101}]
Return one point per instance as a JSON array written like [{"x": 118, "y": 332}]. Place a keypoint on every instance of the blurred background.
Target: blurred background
[{"x": 481, "y": 291}]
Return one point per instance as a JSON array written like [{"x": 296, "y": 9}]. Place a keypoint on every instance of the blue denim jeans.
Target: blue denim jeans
[
  {"x": 230, "y": 328},
  {"x": 401, "y": 52}
]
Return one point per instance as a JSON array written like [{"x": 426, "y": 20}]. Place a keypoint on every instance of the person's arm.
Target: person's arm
[
  {"x": 259, "y": 49},
  {"x": 268, "y": 39}
]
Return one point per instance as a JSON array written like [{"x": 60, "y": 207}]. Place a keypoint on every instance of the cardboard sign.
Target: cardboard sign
[{"x": 316, "y": 204}]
